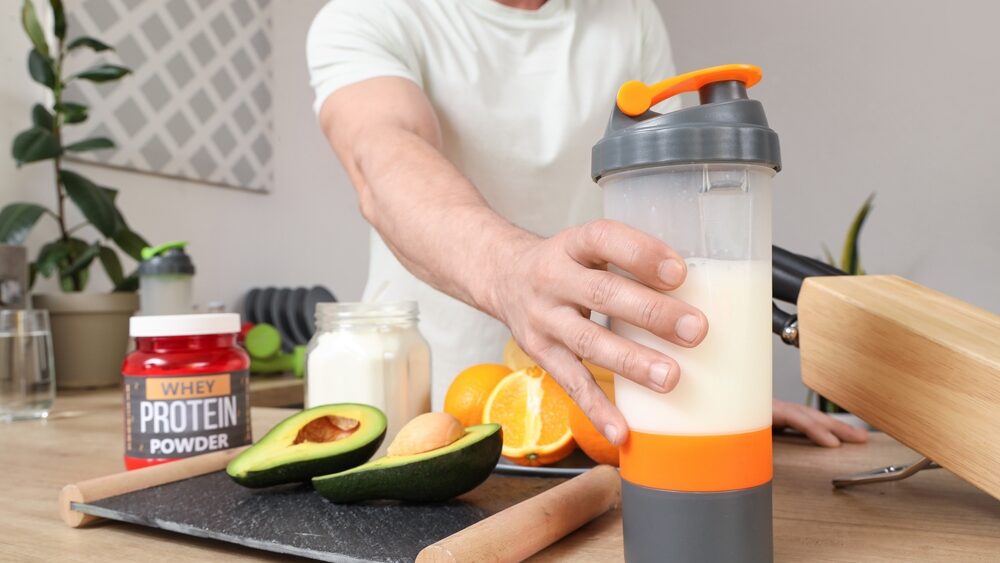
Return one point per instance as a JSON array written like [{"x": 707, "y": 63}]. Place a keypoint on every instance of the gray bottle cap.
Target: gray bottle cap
[
  {"x": 170, "y": 261},
  {"x": 726, "y": 127}
]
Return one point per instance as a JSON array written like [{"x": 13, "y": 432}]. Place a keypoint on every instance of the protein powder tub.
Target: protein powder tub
[{"x": 187, "y": 388}]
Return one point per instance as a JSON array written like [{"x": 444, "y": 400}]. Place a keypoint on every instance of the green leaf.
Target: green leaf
[
  {"x": 71, "y": 112},
  {"x": 32, "y": 275},
  {"x": 67, "y": 284},
  {"x": 95, "y": 44},
  {"x": 40, "y": 69},
  {"x": 850, "y": 260},
  {"x": 29, "y": 20},
  {"x": 58, "y": 19},
  {"x": 102, "y": 73},
  {"x": 49, "y": 257},
  {"x": 93, "y": 202},
  {"x": 82, "y": 260},
  {"x": 129, "y": 284},
  {"x": 78, "y": 280},
  {"x": 112, "y": 195},
  {"x": 112, "y": 265},
  {"x": 41, "y": 117},
  {"x": 130, "y": 242},
  {"x": 16, "y": 221},
  {"x": 91, "y": 144},
  {"x": 829, "y": 255},
  {"x": 33, "y": 145}
]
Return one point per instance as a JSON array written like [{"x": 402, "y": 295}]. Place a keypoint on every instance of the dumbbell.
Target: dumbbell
[{"x": 263, "y": 343}]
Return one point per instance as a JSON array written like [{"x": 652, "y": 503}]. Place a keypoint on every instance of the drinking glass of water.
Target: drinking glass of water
[{"x": 27, "y": 373}]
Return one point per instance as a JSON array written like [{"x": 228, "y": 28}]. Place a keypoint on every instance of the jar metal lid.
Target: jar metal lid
[
  {"x": 184, "y": 325},
  {"x": 366, "y": 313}
]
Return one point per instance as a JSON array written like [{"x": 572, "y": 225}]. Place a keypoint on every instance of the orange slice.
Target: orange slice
[
  {"x": 534, "y": 413},
  {"x": 469, "y": 391}
]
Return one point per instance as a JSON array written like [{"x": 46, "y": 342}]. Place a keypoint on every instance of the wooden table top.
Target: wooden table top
[{"x": 933, "y": 516}]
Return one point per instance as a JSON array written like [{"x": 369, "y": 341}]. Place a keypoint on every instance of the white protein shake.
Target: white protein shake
[{"x": 725, "y": 383}]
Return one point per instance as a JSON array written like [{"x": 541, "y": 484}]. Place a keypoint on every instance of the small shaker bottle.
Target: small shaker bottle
[
  {"x": 166, "y": 274},
  {"x": 696, "y": 468}
]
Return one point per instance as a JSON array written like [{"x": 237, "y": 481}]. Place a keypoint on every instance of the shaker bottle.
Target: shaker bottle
[
  {"x": 696, "y": 468},
  {"x": 165, "y": 280}
]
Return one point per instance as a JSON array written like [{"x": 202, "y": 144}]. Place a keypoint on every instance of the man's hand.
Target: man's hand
[
  {"x": 820, "y": 427},
  {"x": 545, "y": 289}
]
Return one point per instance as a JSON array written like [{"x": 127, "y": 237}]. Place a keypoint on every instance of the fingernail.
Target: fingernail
[
  {"x": 611, "y": 433},
  {"x": 688, "y": 328},
  {"x": 671, "y": 272},
  {"x": 658, "y": 373}
]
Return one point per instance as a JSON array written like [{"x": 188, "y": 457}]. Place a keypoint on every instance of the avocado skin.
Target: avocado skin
[
  {"x": 433, "y": 479},
  {"x": 302, "y": 471}
]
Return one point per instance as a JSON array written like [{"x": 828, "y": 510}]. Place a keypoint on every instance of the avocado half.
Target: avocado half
[
  {"x": 316, "y": 441},
  {"x": 433, "y": 476}
]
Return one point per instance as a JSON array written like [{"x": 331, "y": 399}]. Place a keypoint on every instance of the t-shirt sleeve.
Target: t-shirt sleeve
[
  {"x": 354, "y": 40},
  {"x": 656, "y": 57}
]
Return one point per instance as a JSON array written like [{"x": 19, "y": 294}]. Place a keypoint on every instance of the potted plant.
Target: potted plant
[{"x": 90, "y": 330}]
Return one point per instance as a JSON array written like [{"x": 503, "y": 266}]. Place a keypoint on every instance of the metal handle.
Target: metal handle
[
  {"x": 785, "y": 325},
  {"x": 789, "y": 270},
  {"x": 883, "y": 474}
]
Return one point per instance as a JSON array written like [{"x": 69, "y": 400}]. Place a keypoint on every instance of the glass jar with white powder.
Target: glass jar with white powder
[{"x": 370, "y": 353}]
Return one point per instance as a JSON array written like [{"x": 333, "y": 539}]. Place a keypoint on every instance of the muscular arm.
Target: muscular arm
[{"x": 385, "y": 133}]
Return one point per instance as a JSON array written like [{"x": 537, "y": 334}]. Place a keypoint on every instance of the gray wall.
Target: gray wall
[{"x": 895, "y": 97}]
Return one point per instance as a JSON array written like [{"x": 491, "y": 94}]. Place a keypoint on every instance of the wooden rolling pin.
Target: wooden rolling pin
[
  {"x": 130, "y": 481},
  {"x": 528, "y": 527}
]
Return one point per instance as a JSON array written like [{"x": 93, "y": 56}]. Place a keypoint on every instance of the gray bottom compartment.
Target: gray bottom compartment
[{"x": 683, "y": 527}]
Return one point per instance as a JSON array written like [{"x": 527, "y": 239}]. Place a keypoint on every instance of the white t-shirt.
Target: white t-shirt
[{"x": 521, "y": 97}]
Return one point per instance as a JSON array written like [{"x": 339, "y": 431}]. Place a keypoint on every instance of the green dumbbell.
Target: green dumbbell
[
  {"x": 263, "y": 343},
  {"x": 281, "y": 363}
]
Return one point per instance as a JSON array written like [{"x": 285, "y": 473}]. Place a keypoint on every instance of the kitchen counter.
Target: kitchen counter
[{"x": 933, "y": 516}]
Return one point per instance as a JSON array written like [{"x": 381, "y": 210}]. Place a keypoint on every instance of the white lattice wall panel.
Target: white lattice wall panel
[{"x": 199, "y": 102}]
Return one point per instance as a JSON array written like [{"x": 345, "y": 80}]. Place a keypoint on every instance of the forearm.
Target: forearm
[{"x": 432, "y": 217}]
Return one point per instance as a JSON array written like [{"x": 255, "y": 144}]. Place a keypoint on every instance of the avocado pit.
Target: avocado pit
[
  {"x": 329, "y": 428},
  {"x": 426, "y": 432}
]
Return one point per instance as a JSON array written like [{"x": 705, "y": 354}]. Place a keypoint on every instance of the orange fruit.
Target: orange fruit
[
  {"x": 469, "y": 391},
  {"x": 586, "y": 435},
  {"x": 602, "y": 375},
  {"x": 515, "y": 358},
  {"x": 534, "y": 413}
]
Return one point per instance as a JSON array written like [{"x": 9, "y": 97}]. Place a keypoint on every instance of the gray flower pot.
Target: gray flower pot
[{"x": 89, "y": 336}]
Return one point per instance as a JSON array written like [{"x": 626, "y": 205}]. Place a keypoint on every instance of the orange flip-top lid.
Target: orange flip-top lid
[{"x": 635, "y": 97}]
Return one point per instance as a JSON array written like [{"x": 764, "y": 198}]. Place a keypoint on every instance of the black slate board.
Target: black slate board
[{"x": 294, "y": 520}]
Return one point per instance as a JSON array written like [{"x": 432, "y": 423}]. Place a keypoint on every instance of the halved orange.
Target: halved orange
[
  {"x": 514, "y": 357},
  {"x": 469, "y": 391},
  {"x": 534, "y": 413}
]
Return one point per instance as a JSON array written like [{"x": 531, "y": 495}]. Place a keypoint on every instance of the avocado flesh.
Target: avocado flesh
[
  {"x": 433, "y": 476},
  {"x": 277, "y": 459}
]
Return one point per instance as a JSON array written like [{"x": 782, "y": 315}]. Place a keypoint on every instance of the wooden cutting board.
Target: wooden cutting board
[
  {"x": 507, "y": 518},
  {"x": 294, "y": 520}
]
